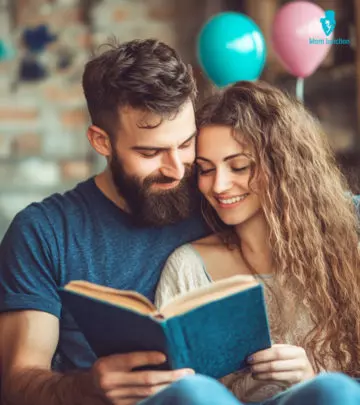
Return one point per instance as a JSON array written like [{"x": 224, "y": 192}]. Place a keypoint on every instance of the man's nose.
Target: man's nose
[
  {"x": 173, "y": 166},
  {"x": 222, "y": 182}
]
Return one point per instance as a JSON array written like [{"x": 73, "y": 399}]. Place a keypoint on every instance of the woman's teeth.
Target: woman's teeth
[{"x": 233, "y": 199}]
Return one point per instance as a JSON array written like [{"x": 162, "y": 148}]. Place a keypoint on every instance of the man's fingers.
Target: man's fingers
[
  {"x": 156, "y": 377},
  {"x": 134, "y": 393},
  {"x": 140, "y": 359},
  {"x": 129, "y": 361},
  {"x": 117, "y": 382},
  {"x": 142, "y": 378}
]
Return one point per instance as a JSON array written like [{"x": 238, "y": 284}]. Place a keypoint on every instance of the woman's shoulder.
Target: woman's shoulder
[
  {"x": 184, "y": 271},
  {"x": 184, "y": 254},
  {"x": 191, "y": 260},
  {"x": 183, "y": 263},
  {"x": 211, "y": 247},
  {"x": 202, "y": 254},
  {"x": 210, "y": 240},
  {"x": 194, "y": 250}
]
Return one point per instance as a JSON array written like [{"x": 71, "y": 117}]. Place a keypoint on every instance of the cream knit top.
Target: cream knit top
[{"x": 185, "y": 271}]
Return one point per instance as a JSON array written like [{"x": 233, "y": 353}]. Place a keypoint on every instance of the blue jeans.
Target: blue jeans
[{"x": 325, "y": 389}]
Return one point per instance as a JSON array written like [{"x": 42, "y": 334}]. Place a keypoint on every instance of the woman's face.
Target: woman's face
[{"x": 224, "y": 169}]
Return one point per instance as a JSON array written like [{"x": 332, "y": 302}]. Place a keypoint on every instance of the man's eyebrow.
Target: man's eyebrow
[
  {"x": 190, "y": 138},
  {"x": 225, "y": 159},
  {"x": 157, "y": 148}
]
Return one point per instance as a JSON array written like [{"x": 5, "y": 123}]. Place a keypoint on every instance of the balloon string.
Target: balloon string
[{"x": 300, "y": 89}]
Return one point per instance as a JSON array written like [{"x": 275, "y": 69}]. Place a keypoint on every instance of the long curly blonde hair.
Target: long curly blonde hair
[{"x": 312, "y": 220}]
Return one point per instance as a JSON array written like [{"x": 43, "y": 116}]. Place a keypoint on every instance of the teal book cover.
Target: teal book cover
[{"x": 211, "y": 330}]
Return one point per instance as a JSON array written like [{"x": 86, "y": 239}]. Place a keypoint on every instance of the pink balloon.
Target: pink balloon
[{"x": 294, "y": 25}]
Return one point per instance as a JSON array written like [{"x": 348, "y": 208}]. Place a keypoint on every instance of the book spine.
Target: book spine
[{"x": 177, "y": 346}]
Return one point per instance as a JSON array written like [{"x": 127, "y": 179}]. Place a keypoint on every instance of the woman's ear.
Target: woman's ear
[{"x": 99, "y": 140}]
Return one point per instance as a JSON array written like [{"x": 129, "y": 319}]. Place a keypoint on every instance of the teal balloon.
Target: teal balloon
[
  {"x": 7, "y": 52},
  {"x": 231, "y": 48}
]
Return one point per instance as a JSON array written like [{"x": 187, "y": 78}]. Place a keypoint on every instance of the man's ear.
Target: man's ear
[{"x": 99, "y": 140}]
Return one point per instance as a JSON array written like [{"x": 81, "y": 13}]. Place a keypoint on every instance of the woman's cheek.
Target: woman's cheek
[{"x": 204, "y": 185}]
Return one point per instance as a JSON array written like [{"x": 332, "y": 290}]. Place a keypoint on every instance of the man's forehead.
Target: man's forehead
[{"x": 144, "y": 128}]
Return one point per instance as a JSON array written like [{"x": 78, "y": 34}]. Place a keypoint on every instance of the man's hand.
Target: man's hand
[
  {"x": 120, "y": 385},
  {"x": 281, "y": 363}
]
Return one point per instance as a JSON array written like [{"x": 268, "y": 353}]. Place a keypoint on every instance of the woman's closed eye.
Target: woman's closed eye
[
  {"x": 240, "y": 169},
  {"x": 204, "y": 172}
]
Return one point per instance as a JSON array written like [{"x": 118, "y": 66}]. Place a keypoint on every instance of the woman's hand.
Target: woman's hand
[{"x": 281, "y": 363}]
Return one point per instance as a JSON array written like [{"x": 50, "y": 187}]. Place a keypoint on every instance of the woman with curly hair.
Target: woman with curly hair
[{"x": 279, "y": 210}]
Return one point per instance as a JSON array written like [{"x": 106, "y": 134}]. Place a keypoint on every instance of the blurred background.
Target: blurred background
[{"x": 45, "y": 43}]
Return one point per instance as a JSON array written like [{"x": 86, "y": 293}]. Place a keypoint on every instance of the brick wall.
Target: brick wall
[{"x": 43, "y": 146}]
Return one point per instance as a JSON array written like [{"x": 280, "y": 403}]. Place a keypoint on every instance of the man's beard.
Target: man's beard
[{"x": 156, "y": 208}]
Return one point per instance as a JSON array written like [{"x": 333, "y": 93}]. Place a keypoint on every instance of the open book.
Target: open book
[{"x": 211, "y": 330}]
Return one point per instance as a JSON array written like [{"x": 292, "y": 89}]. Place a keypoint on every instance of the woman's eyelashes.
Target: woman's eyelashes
[
  {"x": 203, "y": 172},
  {"x": 240, "y": 169}
]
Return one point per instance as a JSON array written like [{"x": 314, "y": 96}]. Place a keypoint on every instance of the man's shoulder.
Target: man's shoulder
[{"x": 56, "y": 205}]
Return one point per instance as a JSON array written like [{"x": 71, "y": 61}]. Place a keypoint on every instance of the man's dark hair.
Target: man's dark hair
[{"x": 143, "y": 74}]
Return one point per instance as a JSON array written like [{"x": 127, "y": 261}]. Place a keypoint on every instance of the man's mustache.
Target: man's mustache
[{"x": 160, "y": 179}]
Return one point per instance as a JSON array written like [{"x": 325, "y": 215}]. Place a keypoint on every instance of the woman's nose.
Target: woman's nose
[{"x": 222, "y": 182}]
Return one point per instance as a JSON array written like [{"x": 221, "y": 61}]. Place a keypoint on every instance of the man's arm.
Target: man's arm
[{"x": 28, "y": 343}]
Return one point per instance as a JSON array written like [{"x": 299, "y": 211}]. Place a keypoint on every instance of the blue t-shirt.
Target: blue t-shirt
[{"x": 81, "y": 235}]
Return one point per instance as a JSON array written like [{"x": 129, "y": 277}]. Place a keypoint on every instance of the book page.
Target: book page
[
  {"x": 128, "y": 299},
  {"x": 217, "y": 290}
]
